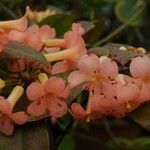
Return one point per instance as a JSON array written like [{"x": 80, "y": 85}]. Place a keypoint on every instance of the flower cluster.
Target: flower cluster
[{"x": 110, "y": 93}]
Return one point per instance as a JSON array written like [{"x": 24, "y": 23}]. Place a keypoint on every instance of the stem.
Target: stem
[{"x": 119, "y": 29}]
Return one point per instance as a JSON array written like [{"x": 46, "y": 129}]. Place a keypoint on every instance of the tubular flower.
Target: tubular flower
[
  {"x": 47, "y": 96},
  {"x": 7, "y": 118},
  {"x": 33, "y": 36},
  {"x": 68, "y": 57},
  {"x": 95, "y": 74},
  {"x": 63, "y": 66},
  {"x": 75, "y": 48},
  {"x": 19, "y": 24},
  {"x": 93, "y": 110},
  {"x": 140, "y": 70}
]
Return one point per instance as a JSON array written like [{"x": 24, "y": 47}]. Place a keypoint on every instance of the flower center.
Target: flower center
[{"x": 96, "y": 77}]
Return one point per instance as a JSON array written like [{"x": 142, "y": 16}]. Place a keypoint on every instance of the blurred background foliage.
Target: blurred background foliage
[{"x": 116, "y": 21}]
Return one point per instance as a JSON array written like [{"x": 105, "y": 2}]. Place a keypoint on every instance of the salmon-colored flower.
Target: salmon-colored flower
[
  {"x": 76, "y": 27},
  {"x": 127, "y": 90},
  {"x": 95, "y": 74},
  {"x": 63, "y": 66},
  {"x": 33, "y": 36},
  {"x": 48, "y": 97},
  {"x": 18, "y": 24},
  {"x": 3, "y": 39},
  {"x": 140, "y": 70},
  {"x": 7, "y": 118},
  {"x": 75, "y": 48},
  {"x": 93, "y": 109}
]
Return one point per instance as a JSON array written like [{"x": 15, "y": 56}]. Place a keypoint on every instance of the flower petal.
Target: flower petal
[
  {"x": 63, "y": 66},
  {"x": 77, "y": 111},
  {"x": 108, "y": 67},
  {"x": 46, "y": 32},
  {"x": 57, "y": 107},
  {"x": 76, "y": 78},
  {"x": 35, "y": 90},
  {"x": 37, "y": 108},
  {"x": 55, "y": 86},
  {"x": 127, "y": 92},
  {"x": 5, "y": 106},
  {"x": 19, "y": 117},
  {"x": 140, "y": 66},
  {"x": 89, "y": 64},
  {"x": 76, "y": 27},
  {"x": 6, "y": 125},
  {"x": 15, "y": 35}
]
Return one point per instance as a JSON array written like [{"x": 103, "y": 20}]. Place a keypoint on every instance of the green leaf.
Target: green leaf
[
  {"x": 75, "y": 92},
  {"x": 32, "y": 136},
  {"x": 61, "y": 22},
  {"x": 3, "y": 74},
  {"x": 16, "y": 49},
  {"x": 95, "y": 32},
  {"x": 142, "y": 115},
  {"x": 113, "y": 50},
  {"x": 87, "y": 25},
  {"x": 125, "y": 9},
  {"x": 68, "y": 143}
]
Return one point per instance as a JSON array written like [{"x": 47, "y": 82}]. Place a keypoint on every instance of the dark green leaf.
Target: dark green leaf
[
  {"x": 16, "y": 49},
  {"x": 113, "y": 50},
  {"x": 75, "y": 92},
  {"x": 33, "y": 136},
  {"x": 68, "y": 143},
  {"x": 61, "y": 22},
  {"x": 95, "y": 32},
  {"x": 3, "y": 74},
  {"x": 142, "y": 116}
]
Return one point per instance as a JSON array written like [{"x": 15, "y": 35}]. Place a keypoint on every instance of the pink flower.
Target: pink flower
[
  {"x": 3, "y": 39},
  {"x": 63, "y": 66},
  {"x": 93, "y": 109},
  {"x": 140, "y": 70},
  {"x": 7, "y": 118},
  {"x": 33, "y": 36},
  {"x": 127, "y": 90},
  {"x": 18, "y": 24},
  {"x": 75, "y": 48},
  {"x": 95, "y": 74},
  {"x": 76, "y": 27},
  {"x": 48, "y": 97}
]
